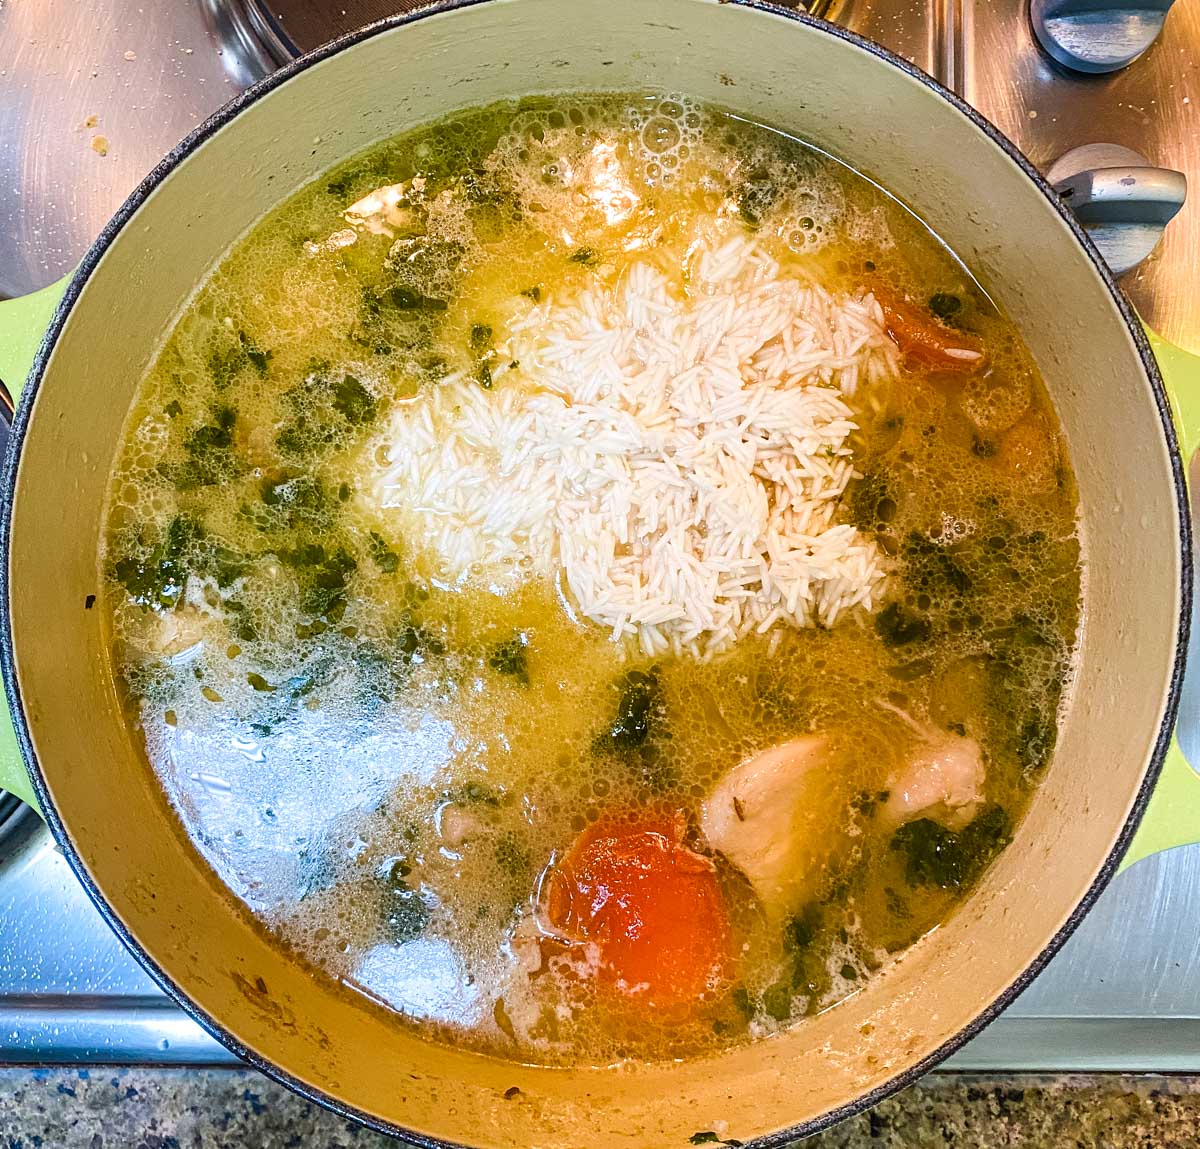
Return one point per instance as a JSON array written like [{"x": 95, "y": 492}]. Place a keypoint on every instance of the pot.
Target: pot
[{"x": 827, "y": 86}]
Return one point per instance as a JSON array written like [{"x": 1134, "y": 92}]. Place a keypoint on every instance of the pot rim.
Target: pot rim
[{"x": 243, "y": 102}]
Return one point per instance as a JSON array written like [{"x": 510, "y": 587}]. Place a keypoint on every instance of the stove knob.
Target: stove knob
[
  {"x": 1120, "y": 198},
  {"x": 1097, "y": 35}
]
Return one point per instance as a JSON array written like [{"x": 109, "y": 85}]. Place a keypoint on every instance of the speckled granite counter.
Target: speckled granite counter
[{"x": 231, "y": 1109}]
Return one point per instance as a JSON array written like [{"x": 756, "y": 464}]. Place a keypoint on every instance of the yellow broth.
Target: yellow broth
[{"x": 383, "y": 767}]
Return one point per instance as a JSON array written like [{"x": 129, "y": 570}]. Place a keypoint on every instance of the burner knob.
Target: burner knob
[
  {"x": 1097, "y": 35},
  {"x": 1122, "y": 201}
]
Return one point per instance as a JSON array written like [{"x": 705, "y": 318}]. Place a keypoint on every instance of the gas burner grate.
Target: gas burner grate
[{"x": 258, "y": 36}]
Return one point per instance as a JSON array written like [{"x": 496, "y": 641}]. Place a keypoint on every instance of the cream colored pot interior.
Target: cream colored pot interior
[{"x": 767, "y": 67}]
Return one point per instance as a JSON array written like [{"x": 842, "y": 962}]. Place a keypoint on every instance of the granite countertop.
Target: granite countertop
[{"x": 107, "y": 1108}]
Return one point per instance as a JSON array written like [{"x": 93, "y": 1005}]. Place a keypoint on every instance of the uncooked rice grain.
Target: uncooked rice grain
[{"x": 675, "y": 448}]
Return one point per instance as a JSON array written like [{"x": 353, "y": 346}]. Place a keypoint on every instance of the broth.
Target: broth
[{"x": 388, "y": 764}]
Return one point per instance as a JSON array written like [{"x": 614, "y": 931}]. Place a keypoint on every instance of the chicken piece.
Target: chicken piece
[
  {"x": 1029, "y": 453},
  {"x": 924, "y": 339},
  {"x": 775, "y": 817},
  {"x": 457, "y": 826},
  {"x": 385, "y": 210},
  {"x": 941, "y": 779},
  {"x": 177, "y": 631}
]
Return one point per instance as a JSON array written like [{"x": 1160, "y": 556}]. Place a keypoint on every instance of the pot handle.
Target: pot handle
[
  {"x": 23, "y": 323},
  {"x": 1172, "y": 817}
]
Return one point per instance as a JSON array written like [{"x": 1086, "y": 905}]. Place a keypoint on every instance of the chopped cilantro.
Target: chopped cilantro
[
  {"x": 159, "y": 577},
  {"x": 756, "y": 198},
  {"x": 639, "y": 709},
  {"x": 935, "y": 856},
  {"x": 353, "y": 401},
  {"x": 897, "y": 626},
  {"x": 386, "y": 559},
  {"x": 511, "y": 658},
  {"x": 944, "y": 305},
  {"x": 406, "y": 299},
  {"x": 481, "y": 337}
]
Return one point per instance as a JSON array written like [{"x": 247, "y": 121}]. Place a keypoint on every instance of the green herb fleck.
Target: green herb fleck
[
  {"x": 511, "y": 658},
  {"x": 586, "y": 256},
  {"x": 241, "y": 622},
  {"x": 935, "y": 856},
  {"x": 406, "y": 299},
  {"x": 293, "y": 500},
  {"x": 324, "y": 408},
  {"x": 865, "y": 801},
  {"x": 897, "y": 626},
  {"x": 210, "y": 457},
  {"x": 474, "y": 794},
  {"x": 216, "y": 435},
  {"x": 256, "y": 355},
  {"x": 742, "y": 1002},
  {"x": 353, "y": 401},
  {"x": 756, "y": 198},
  {"x": 386, "y": 559},
  {"x": 322, "y": 576},
  {"x": 317, "y": 867},
  {"x": 802, "y": 929},
  {"x": 512, "y": 857},
  {"x": 404, "y": 913},
  {"x": 415, "y": 642},
  {"x": 777, "y": 1001},
  {"x": 224, "y": 363},
  {"x": 221, "y": 563},
  {"x": 639, "y": 710},
  {"x": 158, "y": 578},
  {"x": 944, "y": 305},
  {"x": 896, "y": 904},
  {"x": 871, "y": 502},
  {"x": 228, "y": 357},
  {"x": 481, "y": 337},
  {"x": 934, "y": 567}
]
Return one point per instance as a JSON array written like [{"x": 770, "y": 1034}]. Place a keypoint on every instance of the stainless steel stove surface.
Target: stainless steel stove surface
[{"x": 93, "y": 95}]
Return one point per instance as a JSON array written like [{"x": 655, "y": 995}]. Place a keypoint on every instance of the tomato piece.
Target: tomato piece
[
  {"x": 924, "y": 339},
  {"x": 653, "y": 908}
]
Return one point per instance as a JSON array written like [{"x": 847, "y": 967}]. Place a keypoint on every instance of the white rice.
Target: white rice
[{"x": 674, "y": 449}]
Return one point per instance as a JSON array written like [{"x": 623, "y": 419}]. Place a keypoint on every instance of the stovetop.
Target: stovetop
[{"x": 91, "y": 96}]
